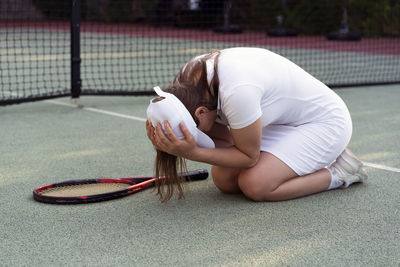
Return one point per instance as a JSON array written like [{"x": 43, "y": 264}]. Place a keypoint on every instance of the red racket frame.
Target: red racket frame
[{"x": 137, "y": 184}]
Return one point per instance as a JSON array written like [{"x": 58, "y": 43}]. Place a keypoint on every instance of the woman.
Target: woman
[{"x": 279, "y": 132}]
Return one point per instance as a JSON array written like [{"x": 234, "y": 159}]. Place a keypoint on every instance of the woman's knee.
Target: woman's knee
[
  {"x": 260, "y": 182},
  {"x": 255, "y": 186},
  {"x": 226, "y": 179}
]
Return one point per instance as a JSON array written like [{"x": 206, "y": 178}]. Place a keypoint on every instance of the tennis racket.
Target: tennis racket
[{"x": 101, "y": 189}]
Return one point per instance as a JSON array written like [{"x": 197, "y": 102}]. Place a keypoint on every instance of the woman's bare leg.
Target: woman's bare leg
[
  {"x": 226, "y": 179},
  {"x": 272, "y": 180}
]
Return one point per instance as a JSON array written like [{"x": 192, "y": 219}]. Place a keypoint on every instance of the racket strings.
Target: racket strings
[{"x": 83, "y": 189}]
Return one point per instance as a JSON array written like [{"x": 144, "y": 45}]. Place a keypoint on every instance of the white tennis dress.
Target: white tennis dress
[{"x": 305, "y": 124}]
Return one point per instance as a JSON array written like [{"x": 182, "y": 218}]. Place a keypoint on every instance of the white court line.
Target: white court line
[
  {"x": 382, "y": 167},
  {"x": 115, "y": 114}
]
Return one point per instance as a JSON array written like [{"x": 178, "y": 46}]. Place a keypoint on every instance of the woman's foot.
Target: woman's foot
[{"x": 348, "y": 168}]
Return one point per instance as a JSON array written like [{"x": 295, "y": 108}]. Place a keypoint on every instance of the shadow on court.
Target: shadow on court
[{"x": 47, "y": 141}]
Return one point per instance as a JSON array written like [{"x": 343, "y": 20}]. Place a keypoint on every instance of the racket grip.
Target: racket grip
[{"x": 195, "y": 175}]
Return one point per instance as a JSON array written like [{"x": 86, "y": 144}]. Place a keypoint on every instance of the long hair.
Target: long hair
[{"x": 191, "y": 87}]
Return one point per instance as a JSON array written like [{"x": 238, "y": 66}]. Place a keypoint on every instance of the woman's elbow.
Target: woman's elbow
[{"x": 252, "y": 160}]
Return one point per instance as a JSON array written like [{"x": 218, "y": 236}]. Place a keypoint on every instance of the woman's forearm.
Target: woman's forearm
[
  {"x": 243, "y": 152},
  {"x": 224, "y": 157}
]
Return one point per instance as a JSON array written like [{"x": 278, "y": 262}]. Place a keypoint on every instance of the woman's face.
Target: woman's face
[{"x": 206, "y": 119}]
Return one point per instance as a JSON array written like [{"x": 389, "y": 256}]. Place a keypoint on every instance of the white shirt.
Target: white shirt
[{"x": 256, "y": 83}]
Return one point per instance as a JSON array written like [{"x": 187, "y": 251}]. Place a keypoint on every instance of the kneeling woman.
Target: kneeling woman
[{"x": 279, "y": 133}]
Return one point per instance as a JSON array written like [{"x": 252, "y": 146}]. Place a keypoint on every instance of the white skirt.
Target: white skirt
[{"x": 308, "y": 147}]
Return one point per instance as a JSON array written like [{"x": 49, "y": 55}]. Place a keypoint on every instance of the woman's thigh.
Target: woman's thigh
[{"x": 266, "y": 176}]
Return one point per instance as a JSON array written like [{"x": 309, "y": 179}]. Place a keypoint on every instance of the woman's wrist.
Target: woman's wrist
[{"x": 198, "y": 154}]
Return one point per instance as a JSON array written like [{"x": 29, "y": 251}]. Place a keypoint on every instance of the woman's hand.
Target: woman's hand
[
  {"x": 169, "y": 142},
  {"x": 150, "y": 132}
]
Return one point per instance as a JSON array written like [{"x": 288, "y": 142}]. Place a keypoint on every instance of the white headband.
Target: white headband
[{"x": 172, "y": 109}]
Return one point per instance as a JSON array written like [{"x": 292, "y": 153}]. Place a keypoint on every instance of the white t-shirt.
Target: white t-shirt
[{"x": 256, "y": 83}]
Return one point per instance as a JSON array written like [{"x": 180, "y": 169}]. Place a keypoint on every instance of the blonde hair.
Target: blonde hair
[{"x": 191, "y": 87}]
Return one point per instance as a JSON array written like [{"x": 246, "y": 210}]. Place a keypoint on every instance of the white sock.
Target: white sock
[{"x": 335, "y": 182}]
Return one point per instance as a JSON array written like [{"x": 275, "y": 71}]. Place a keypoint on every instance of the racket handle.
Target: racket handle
[{"x": 195, "y": 175}]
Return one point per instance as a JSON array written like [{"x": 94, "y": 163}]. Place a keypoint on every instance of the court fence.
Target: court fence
[{"x": 54, "y": 48}]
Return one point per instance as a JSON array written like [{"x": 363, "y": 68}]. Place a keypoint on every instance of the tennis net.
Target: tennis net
[{"x": 125, "y": 47}]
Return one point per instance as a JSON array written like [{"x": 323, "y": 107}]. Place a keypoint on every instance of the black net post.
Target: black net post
[{"x": 76, "y": 82}]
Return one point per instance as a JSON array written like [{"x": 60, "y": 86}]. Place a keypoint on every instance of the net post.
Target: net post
[{"x": 76, "y": 82}]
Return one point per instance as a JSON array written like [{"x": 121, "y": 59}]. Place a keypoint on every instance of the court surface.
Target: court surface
[{"x": 50, "y": 141}]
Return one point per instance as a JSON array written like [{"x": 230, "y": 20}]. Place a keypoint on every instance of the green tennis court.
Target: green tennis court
[
  {"x": 49, "y": 141},
  {"x": 122, "y": 48}
]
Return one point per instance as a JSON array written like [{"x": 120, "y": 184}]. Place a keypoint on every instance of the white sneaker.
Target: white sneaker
[{"x": 348, "y": 168}]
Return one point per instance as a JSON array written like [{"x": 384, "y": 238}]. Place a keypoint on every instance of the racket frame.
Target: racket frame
[{"x": 137, "y": 184}]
